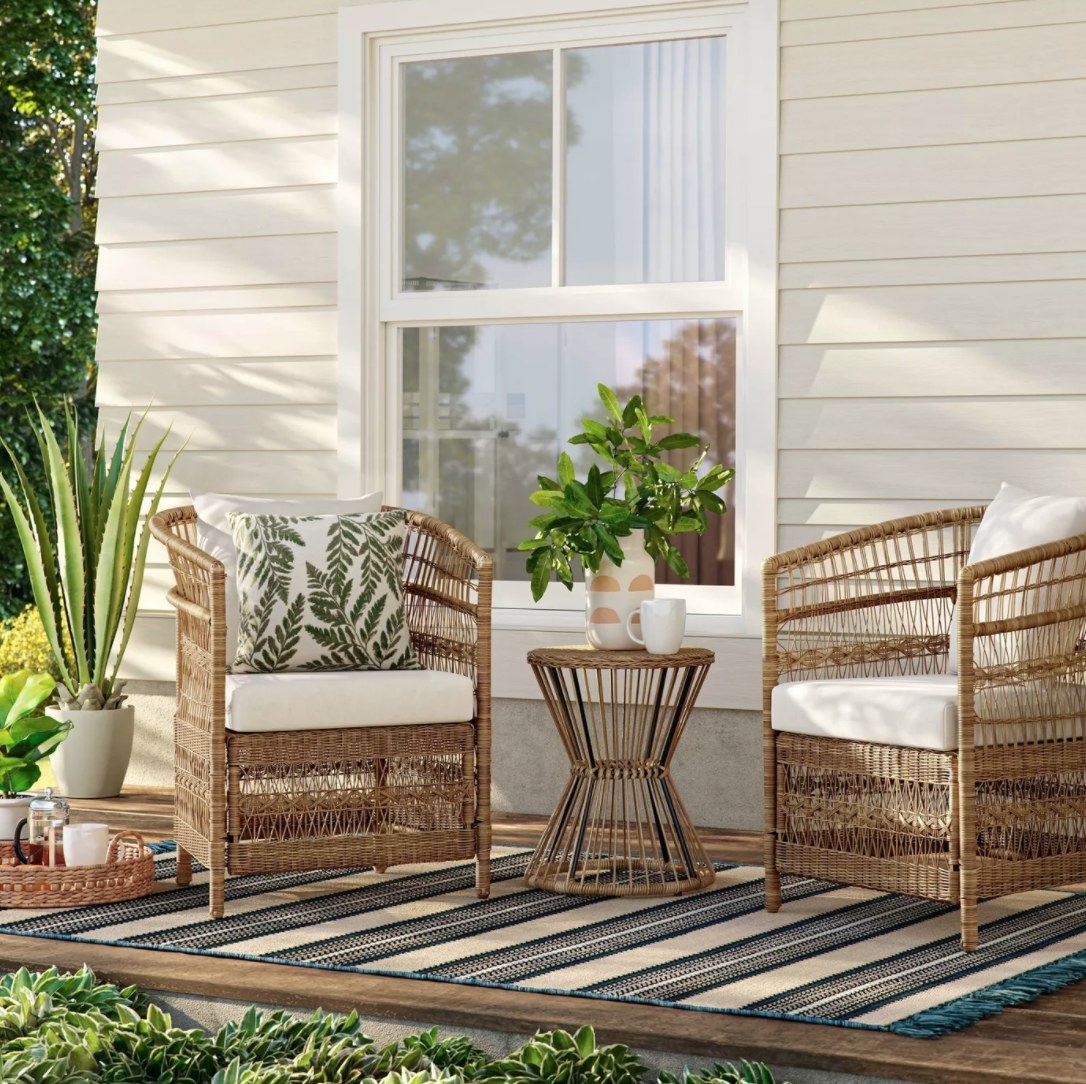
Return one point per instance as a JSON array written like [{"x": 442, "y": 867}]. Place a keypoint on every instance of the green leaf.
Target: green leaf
[
  {"x": 609, "y": 543},
  {"x": 679, "y": 440},
  {"x": 566, "y": 472},
  {"x": 547, "y": 483},
  {"x": 610, "y": 401},
  {"x": 629, "y": 411},
  {"x": 541, "y": 574}
]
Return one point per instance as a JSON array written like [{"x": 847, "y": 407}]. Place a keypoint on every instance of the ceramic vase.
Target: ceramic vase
[
  {"x": 616, "y": 592},
  {"x": 92, "y": 760}
]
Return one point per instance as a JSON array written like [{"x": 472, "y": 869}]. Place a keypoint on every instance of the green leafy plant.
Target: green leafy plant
[
  {"x": 69, "y": 1029},
  {"x": 634, "y": 490},
  {"x": 85, "y": 564},
  {"x": 26, "y": 736}
]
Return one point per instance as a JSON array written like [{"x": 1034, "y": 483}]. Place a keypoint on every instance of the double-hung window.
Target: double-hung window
[{"x": 536, "y": 198}]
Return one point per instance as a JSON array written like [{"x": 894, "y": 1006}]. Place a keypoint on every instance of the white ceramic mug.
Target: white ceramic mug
[
  {"x": 659, "y": 625},
  {"x": 86, "y": 844}
]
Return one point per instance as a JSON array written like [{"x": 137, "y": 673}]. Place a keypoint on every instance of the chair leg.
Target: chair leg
[
  {"x": 970, "y": 934},
  {"x": 216, "y": 890},
  {"x": 482, "y": 874},
  {"x": 184, "y": 866}
]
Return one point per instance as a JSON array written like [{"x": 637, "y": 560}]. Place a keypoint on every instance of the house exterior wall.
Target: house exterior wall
[
  {"x": 932, "y": 218},
  {"x": 932, "y": 257}
]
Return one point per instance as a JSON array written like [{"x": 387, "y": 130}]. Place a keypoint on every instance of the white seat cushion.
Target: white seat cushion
[
  {"x": 320, "y": 701},
  {"x": 919, "y": 710}
]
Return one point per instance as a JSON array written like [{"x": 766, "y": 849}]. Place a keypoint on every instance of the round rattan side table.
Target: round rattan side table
[{"x": 620, "y": 828}]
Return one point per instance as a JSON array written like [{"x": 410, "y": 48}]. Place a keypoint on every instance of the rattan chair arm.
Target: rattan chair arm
[
  {"x": 814, "y": 552},
  {"x": 457, "y": 541}
]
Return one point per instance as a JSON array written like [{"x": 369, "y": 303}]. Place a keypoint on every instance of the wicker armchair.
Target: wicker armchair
[
  {"x": 1001, "y": 806},
  {"x": 284, "y": 800}
]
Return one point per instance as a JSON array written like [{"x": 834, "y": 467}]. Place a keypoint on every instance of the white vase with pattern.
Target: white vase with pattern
[{"x": 616, "y": 592}]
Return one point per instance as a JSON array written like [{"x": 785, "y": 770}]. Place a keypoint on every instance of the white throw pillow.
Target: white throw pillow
[
  {"x": 213, "y": 533},
  {"x": 321, "y": 593},
  {"x": 1019, "y": 520}
]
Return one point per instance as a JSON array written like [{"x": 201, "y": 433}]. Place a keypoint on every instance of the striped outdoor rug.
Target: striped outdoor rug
[{"x": 833, "y": 954}]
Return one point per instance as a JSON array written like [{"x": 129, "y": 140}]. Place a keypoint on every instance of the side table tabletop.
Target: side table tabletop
[{"x": 620, "y": 828}]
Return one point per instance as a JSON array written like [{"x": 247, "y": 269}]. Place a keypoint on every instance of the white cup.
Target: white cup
[
  {"x": 660, "y": 627},
  {"x": 86, "y": 844}
]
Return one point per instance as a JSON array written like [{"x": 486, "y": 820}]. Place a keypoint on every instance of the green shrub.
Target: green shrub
[
  {"x": 68, "y": 1029},
  {"x": 23, "y": 645}
]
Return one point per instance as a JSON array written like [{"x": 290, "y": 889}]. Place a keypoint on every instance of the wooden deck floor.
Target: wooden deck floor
[{"x": 1044, "y": 1042}]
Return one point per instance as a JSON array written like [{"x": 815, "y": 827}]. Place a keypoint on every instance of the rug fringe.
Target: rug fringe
[{"x": 992, "y": 1000}]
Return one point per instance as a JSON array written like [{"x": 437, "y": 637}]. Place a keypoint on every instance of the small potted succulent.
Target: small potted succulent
[
  {"x": 27, "y": 737},
  {"x": 621, "y": 518},
  {"x": 85, "y": 551}
]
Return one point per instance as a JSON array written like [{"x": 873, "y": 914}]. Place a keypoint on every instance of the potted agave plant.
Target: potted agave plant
[
  {"x": 26, "y": 738},
  {"x": 621, "y": 519},
  {"x": 85, "y": 553}
]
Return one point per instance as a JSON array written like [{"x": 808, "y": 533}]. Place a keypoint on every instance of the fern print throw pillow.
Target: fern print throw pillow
[{"x": 321, "y": 593}]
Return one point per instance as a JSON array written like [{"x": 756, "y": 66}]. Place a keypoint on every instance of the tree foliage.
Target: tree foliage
[{"x": 47, "y": 254}]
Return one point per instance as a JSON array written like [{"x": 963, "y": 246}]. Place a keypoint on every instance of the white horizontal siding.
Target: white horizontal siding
[
  {"x": 225, "y": 382},
  {"x": 216, "y": 274},
  {"x": 932, "y": 256}
]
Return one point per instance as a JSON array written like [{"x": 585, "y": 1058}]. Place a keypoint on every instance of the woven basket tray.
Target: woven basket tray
[{"x": 128, "y": 872}]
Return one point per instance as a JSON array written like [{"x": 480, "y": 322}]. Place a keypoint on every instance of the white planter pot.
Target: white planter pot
[
  {"x": 92, "y": 760},
  {"x": 13, "y": 810},
  {"x": 617, "y": 591}
]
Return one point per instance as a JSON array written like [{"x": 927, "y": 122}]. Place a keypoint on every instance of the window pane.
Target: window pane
[
  {"x": 486, "y": 409},
  {"x": 477, "y": 172},
  {"x": 645, "y": 162}
]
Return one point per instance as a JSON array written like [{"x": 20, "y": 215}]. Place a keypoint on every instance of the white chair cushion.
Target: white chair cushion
[
  {"x": 919, "y": 711},
  {"x": 322, "y": 701},
  {"x": 213, "y": 533},
  {"x": 1018, "y": 520}
]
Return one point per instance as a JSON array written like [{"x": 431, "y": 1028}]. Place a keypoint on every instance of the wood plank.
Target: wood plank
[
  {"x": 843, "y": 515},
  {"x": 203, "y": 50},
  {"x": 227, "y": 261},
  {"x": 926, "y": 117},
  {"x": 284, "y": 113},
  {"x": 931, "y": 20},
  {"x": 138, "y": 17},
  {"x": 201, "y": 86},
  {"x": 1023, "y": 367},
  {"x": 260, "y": 212},
  {"x": 966, "y": 171},
  {"x": 262, "y": 333},
  {"x": 818, "y": 9},
  {"x": 919, "y": 271},
  {"x": 255, "y": 473},
  {"x": 286, "y": 296},
  {"x": 958, "y": 227},
  {"x": 235, "y": 381},
  {"x": 1021, "y": 55},
  {"x": 962, "y": 477},
  {"x": 996, "y": 310},
  {"x": 292, "y": 427},
  {"x": 222, "y": 167},
  {"x": 1016, "y": 422}
]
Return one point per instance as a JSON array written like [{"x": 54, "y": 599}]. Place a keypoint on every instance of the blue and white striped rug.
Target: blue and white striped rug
[{"x": 832, "y": 954}]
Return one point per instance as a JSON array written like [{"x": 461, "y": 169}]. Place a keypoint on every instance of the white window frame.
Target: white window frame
[{"x": 372, "y": 39}]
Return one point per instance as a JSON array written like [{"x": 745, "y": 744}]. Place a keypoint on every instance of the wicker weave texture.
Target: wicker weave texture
[
  {"x": 620, "y": 827},
  {"x": 1004, "y": 813},
  {"x": 336, "y": 798}
]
